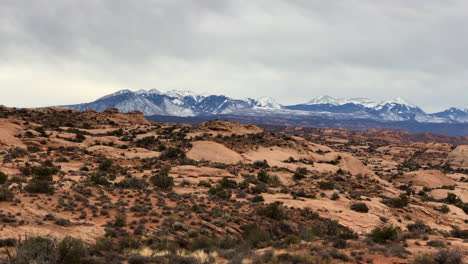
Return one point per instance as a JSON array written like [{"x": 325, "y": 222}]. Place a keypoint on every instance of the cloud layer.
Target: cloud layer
[{"x": 65, "y": 51}]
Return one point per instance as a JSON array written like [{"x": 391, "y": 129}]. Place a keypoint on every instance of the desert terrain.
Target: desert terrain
[{"x": 116, "y": 188}]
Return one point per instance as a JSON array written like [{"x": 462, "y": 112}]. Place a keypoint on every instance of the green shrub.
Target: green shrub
[
  {"x": 100, "y": 178},
  {"x": 44, "y": 250},
  {"x": 273, "y": 211},
  {"x": 172, "y": 154},
  {"x": 3, "y": 177},
  {"x": 384, "y": 234},
  {"x": 132, "y": 183},
  {"x": 204, "y": 184},
  {"x": 326, "y": 185},
  {"x": 105, "y": 164},
  {"x": 163, "y": 181},
  {"x": 71, "y": 251},
  {"x": 62, "y": 222},
  {"x": 359, "y": 207},
  {"x": 120, "y": 219},
  {"x": 36, "y": 250},
  {"x": 219, "y": 192},
  {"x": 17, "y": 152},
  {"x": 6, "y": 195},
  {"x": 400, "y": 202},
  {"x": 263, "y": 177},
  {"x": 419, "y": 227},
  {"x": 449, "y": 256},
  {"x": 201, "y": 242},
  {"x": 44, "y": 172},
  {"x": 39, "y": 186},
  {"x": 255, "y": 235},
  {"x": 147, "y": 142},
  {"x": 426, "y": 258},
  {"x": 436, "y": 243},
  {"x": 227, "y": 183}
]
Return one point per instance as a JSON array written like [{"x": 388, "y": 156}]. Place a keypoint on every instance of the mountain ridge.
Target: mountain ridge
[{"x": 190, "y": 104}]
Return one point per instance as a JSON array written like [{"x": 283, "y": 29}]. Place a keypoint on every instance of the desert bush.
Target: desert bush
[
  {"x": 263, "y": 164},
  {"x": 444, "y": 209},
  {"x": 436, "y": 243},
  {"x": 132, "y": 183},
  {"x": 6, "y": 195},
  {"x": 335, "y": 196},
  {"x": 147, "y": 142},
  {"x": 105, "y": 164},
  {"x": 384, "y": 234},
  {"x": 459, "y": 233},
  {"x": 255, "y": 235},
  {"x": 443, "y": 256},
  {"x": 172, "y": 154},
  {"x": 400, "y": 202},
  {"x": 426, "y": 258},
  {"x": 419, "y": 227},
  {"x": 257, "y": 198},
  {"x": 163, "y": 181},
  {"x": 308, "y": 213},
  {"x": 71, "y": 251},
  {"x": 227, "y": 183},
  {"x": 219, "y": 192},
  {"x": 3, "y": 177},
  {"x": 41, "y": 250},
  {"x": 359, "y": 207},
  {"x": 8, "y": 242},
  {"x": 17, "y": 152},
  {"x": 100, "y": 178},
  {"x": 202, "y": 242},
  {"x": 62, "y": 222},
  {"x": 326, "y": 185},
  {"x": 120, "y": 219},
  {"x": 263, "y": 176},
  {"x": 273, "y": 211},
  {"x": 204, "y": 184},
  {"x": 449, "y": 256},
  {"x": 39, "y": 186},
  {"x": 45, "y": 250}
]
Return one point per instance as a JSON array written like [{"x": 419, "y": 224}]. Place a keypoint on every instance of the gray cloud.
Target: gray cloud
[{"x": 65, "y": 51}]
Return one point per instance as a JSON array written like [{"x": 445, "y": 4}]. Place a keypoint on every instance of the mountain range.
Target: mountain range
[{"x": 189, "y": 104}]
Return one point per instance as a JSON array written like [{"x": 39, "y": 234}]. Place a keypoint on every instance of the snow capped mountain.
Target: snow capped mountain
[
  {"x": 147, "y": 92},
  {"x": 266, "y": 103},
  {"x": 175, "y": 103},
  {"x": 454, "y": 114},
  {"x": 187, "y": 104},
  {"x": 341, "y": 101}
]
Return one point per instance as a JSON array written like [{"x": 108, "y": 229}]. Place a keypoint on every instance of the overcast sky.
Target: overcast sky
[{"x": 66, "y": 51}]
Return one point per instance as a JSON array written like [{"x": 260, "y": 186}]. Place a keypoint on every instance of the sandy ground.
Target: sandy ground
[
  {"x": 8, "y": 131},
  {"x": 212, "y": 151},
  {"x": 458, "y": 158},
  {"x": 429, "y": 178}
]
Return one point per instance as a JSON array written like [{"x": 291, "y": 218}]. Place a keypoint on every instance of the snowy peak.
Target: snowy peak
[
  {"x": 125, "y": 91},
  {"x": 148, "y": 92},
  {"x": 341, "y": 101},
  {"x": 267, "y": 103},
  {"x": 399, "y": 101},
  {"x": 187, "y": 103},
  {"x": 182, "y": 94},
  {"x": 324, "y": 100}
]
